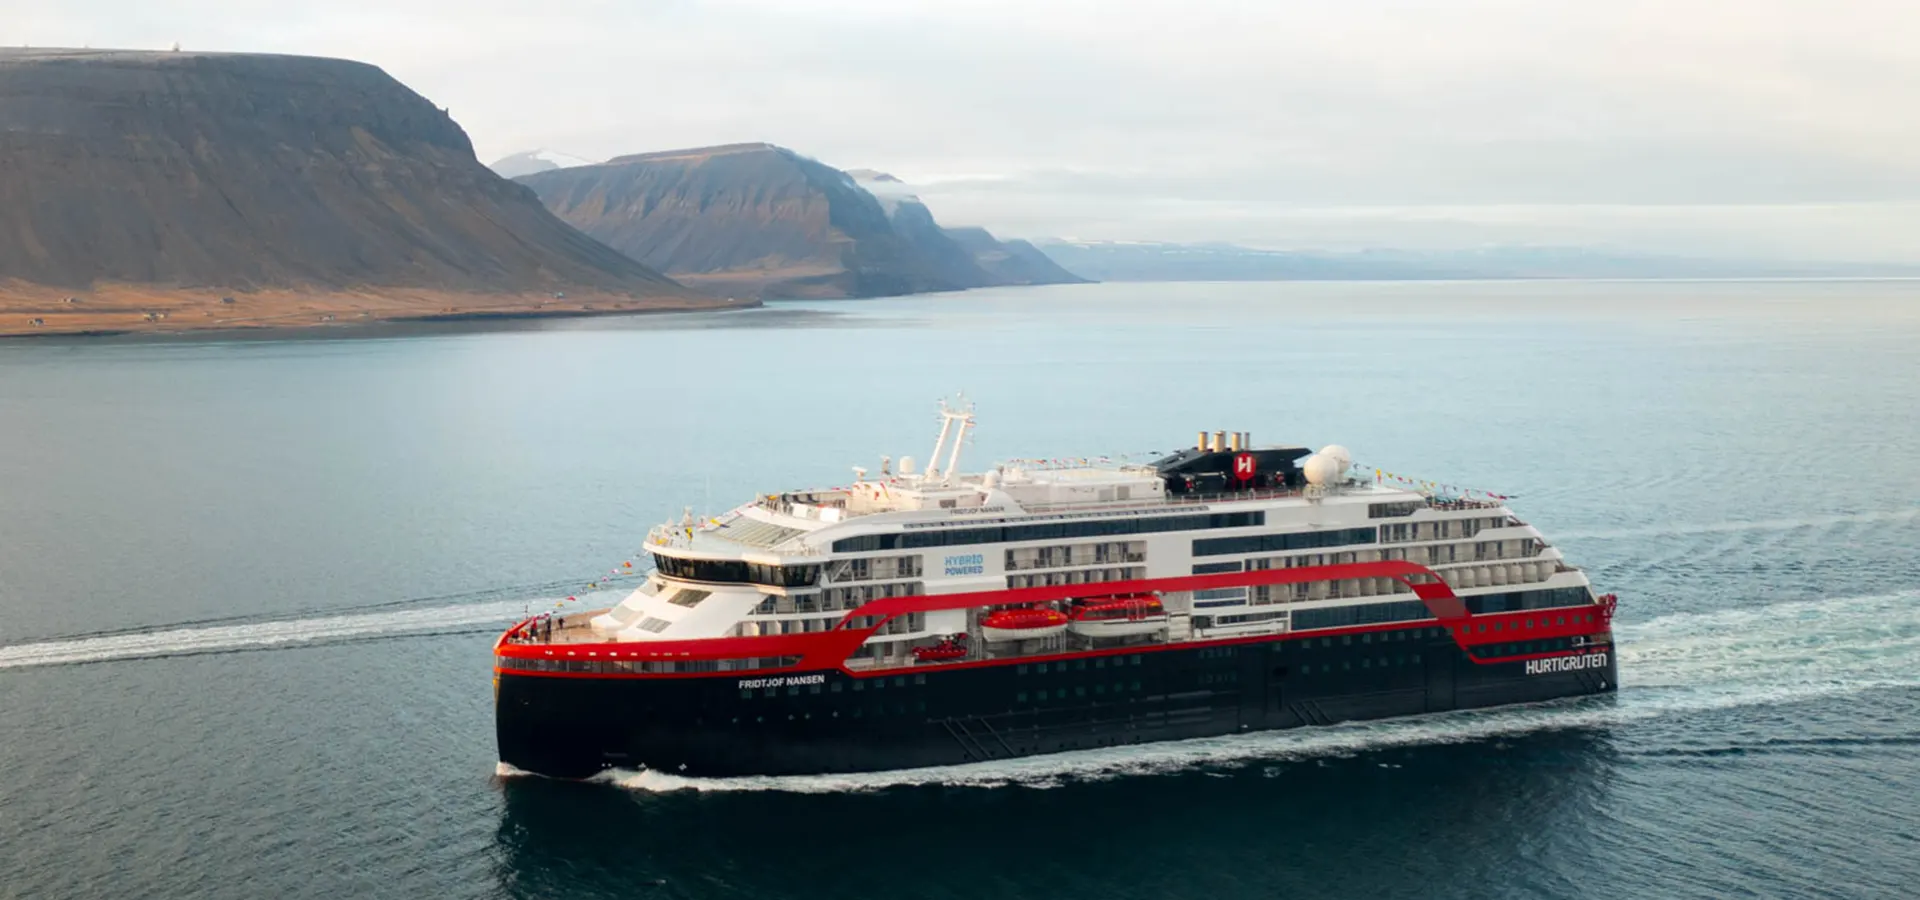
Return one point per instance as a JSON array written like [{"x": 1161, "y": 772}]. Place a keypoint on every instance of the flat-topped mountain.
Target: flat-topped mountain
[
  {"x": 757, "y": 220},
  {"x": 179, "y": 190}
]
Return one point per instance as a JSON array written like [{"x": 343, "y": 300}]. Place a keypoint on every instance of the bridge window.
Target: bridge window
[{"x": 733, "y": 571}]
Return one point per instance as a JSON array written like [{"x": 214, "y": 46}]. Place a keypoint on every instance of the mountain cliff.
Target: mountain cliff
[
  {"x": 1012, "y": 261},
  {"x": 757, "y": 220},
  {"x": 180, "y": 190},
  {"x": 984, "y": 259}
]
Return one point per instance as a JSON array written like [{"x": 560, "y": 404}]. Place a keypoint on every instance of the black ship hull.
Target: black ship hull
[{"x": 792, "y": 723}]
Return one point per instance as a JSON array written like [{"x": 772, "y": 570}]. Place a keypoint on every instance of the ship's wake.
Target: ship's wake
[
  {"x": 1671, "y": 665},
  {"x": 1910, "y": 514},
  {"x": 268, "y": 634}
]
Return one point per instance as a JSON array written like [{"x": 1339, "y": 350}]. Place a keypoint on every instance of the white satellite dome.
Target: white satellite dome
[
  {"x": 1340, "y": 453},
  {"x": 1323, "y": 470}
]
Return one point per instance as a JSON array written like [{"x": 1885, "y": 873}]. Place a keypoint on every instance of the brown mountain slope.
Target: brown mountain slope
[
  {"x": 751, "y": 220},
  {"x": 150, "y": 186}
]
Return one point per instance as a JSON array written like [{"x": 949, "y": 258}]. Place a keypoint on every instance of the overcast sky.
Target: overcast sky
[{"x": 1747, "y": 127}]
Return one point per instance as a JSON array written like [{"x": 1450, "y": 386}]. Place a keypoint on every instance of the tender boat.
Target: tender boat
[
  {"x": 1119, "y": 617},
  {"x": 1022, "y": 624}
]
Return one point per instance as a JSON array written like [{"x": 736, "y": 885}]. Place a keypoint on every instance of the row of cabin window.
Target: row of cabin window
[
  {"x": 1362, "y": 614},
  {"x": 1523, "y": 648},
  {"x": 1394, "y": 510},
  {"x": 1213, "y": 597},
  {"x": 1366, "y": 662},
  {"x": 1077, "y": 576},
  {"x": 857, "y": 712},
  {"x": 1274, "y": 543},
  {"x": 1078, "y": 665},
  {"x": 902, "y": 624},
  {"x": 1019, "y": 558},
  {"x": 1241, "y": 619},
  {"x": 835, "y": 599},
  {"x": 874, "y": 568},
  {"x": 1262, "y": 595},
  {"x": 1410, "y": 610},
  {"x": 1347, "y": 640},
  {"x": 1545, "y": 622},
  {"x": 647, "y": 667},
  {"x": 1373, "y": 613},
  {"x": 1516, "y": 601},
  {"x": 1078, "y": 691},
  {"x": 1013, "y": 534},
  {"x": 1480, "y": 551},
  {"x": 1438, "y": 530}
]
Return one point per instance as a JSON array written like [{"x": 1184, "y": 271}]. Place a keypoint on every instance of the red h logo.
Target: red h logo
[{"x": 1243, "y": 467}]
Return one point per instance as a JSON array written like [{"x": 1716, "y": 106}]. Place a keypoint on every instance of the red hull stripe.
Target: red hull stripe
[
  {"x": 831, "y": 649},
  {"x": 1513, "y": 620}
]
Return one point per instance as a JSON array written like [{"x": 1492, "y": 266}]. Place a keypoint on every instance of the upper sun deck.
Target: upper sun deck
[
  {"x": 786, "y": 526},
  {"x": 1216, "y": 473}
]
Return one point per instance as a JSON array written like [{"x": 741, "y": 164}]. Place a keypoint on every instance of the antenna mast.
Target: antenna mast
[{"x": 954, "y": 424}]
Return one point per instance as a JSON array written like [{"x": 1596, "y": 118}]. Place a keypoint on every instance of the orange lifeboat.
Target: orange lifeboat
[
  {"x": 954, "y": 647},
  {"x": 1022, "y": 624},
  {"x": 1119, "y": 616}
]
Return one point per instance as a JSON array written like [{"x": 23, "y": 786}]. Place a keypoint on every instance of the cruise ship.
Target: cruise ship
[{"x": 926, "y": 617}]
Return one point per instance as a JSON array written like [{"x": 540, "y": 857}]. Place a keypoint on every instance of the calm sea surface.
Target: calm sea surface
[{"x": 248, "y": 586}]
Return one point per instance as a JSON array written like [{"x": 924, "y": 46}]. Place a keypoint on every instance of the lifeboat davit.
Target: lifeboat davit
[
  {"x": 1119, "y": 616},
  {"x": 1022, "y": 624}
]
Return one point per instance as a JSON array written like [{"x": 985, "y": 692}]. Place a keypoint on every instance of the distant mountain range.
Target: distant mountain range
[
  {"x": 1151, "y": 261},
  {"x": 758, "y": 220}
]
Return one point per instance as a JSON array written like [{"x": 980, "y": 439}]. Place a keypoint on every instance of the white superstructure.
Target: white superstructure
[{"x": 800, "y": 561}]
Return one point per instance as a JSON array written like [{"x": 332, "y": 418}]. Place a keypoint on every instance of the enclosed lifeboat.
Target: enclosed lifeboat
[
  {"x": 1022, "y": 624},
  {"x": 954, "y": 647},
  {"x": 1119, "y": 616}
]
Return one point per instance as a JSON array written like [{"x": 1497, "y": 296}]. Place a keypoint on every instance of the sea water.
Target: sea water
[{"x": 248, "y": 585}]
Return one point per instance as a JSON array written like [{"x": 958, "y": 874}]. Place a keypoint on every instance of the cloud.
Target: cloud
[{"x": 1703, "y": 118}]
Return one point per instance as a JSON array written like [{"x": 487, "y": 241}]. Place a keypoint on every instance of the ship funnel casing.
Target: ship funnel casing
[
  {"x": 1219, "y": 441},
  {"x": 1200, "y": 443}
]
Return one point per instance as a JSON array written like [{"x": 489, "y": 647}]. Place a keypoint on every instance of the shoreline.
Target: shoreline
[{"x": 120, "y": 312}]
